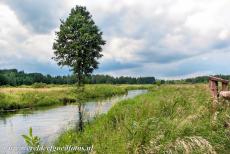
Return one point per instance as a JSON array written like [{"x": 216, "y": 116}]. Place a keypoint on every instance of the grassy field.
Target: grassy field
[
  {"x": 33, "y": 96},
  {"x": 168, "y": 119}
]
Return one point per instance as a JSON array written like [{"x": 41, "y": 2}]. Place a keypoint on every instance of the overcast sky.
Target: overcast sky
[{"x": 163, "y": 38}]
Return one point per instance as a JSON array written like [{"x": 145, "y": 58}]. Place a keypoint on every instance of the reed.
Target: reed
[
  {"x": 12, "y": 98},
  {"x": 168, "y": 119}
]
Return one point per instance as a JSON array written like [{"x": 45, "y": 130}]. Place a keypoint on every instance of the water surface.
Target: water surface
[{"x": 49, "y": 122}]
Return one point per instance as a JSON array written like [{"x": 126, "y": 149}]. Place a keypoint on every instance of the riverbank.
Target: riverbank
[
  {"x": 170, "y": 118},
  {"x": 13, "y": 98},
  {"x": 49, "y": 122}
]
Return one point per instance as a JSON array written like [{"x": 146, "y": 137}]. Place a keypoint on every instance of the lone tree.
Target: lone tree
[{"x": 78, "y": 44}]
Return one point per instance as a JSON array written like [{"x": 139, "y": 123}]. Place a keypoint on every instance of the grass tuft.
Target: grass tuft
[{"x": 168, "y": 119}]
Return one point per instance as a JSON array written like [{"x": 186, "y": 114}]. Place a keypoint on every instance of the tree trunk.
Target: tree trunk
[
  {"x": 80, "y": 112},
  {"x": 80, "y": 105},
  {"x": 79, "y": 80}
]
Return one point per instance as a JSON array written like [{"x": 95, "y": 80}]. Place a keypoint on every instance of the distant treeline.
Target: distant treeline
[
  {"x": 13, "y": 77},
  {"x": 199, "y": 79}
]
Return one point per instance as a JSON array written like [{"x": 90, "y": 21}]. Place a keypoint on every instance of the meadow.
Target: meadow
[
  {"x": 168, "y": 119},
  {"x": 39, "y": 95}
]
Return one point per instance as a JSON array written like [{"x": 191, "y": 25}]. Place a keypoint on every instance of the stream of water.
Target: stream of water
[{"x": 48, "y": 123}]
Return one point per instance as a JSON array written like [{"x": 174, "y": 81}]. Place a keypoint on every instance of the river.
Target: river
[{"x": 48, "y": 123}]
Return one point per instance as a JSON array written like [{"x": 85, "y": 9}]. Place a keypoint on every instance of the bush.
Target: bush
[
  {"x": 158, "y": 82},
  {"x": 2, "y": 101},
  {"x": 39, "y": 85}
]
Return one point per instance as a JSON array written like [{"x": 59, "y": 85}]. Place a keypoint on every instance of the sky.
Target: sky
[{"x": 168, "y": 39}]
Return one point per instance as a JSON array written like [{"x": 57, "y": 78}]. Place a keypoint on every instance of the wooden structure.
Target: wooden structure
[
  {"x": 216, "y": 94},
  {"x": 213, "y": 85}
]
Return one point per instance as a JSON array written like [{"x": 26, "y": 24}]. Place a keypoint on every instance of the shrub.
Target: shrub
[{"x": 39, "y": 85}]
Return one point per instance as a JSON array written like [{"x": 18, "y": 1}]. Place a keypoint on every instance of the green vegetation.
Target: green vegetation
[
  {"x": 78, "y": 43},
  {"x": 199, "y": 79},
  {"x": 170, "y": 118},
  {"x": 32, "y": 141},
  {"x": 40, "y": 95},
  {"x": 13, "y": 77}
]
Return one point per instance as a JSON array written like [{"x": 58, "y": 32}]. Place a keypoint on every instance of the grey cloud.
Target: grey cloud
[
  {"x": 220, "y": 44},
  {"x": 189, "y": 67},
  {"x": 154, "y": 28},
  {"x": 109, "y": 65},
  {"x": 40, "y": 16},
  {"x": 209, "y": 63},
  {"x": 160, "y": 58},
  {"x": 130, "y": 21},
  {"x": 32, "y": 65}
]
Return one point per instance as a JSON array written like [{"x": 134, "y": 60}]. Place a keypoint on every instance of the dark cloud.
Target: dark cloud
[
  {"x": 220, "y": 44},
  {"x": 29, "y": 65},
  {"x": 109, "y": 65},
  {"x": 40, "y": 16},
  {"x": 160, "y": 56},
  {"x": 190, "y": 67}
]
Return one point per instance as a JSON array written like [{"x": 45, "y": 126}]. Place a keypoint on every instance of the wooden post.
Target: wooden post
[
  {"x": 213, "y": 85},
  {"x": 224, "y": 86},
  {"x": 214, "y": 88}
]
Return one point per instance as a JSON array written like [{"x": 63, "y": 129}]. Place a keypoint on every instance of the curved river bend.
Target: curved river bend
[{"x": 50, "y": 122}]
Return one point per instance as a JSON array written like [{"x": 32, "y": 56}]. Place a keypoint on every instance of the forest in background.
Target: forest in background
[{"x": 13, "y": 77}]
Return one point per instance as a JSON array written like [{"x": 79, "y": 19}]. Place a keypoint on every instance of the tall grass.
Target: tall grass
[
  {"x": 47, "y": 95},
  {"x": 168, "y": 119}
]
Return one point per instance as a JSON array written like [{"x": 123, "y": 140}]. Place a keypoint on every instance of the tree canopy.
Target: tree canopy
[{"x": 79, "y": 43}]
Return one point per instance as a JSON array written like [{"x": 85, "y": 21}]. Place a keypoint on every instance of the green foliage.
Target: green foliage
[
  {"x": 95, "y": 79},
  {"x": 39, "y": 85},
  {"x": 27, "y": 97},
  {"x": 18, "y": 78},
  {"x": 199, "y": 79},
  {"x": 168, "y": 119},
  {"x": 79, "y": 43},
  {"x": 32, "y": 141},
  {"x": 14, "y": 77},
  {"x": 3, "y": 80},
  {"x": 3, "y": 102},
  {"x": 158, "y": 82}
]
